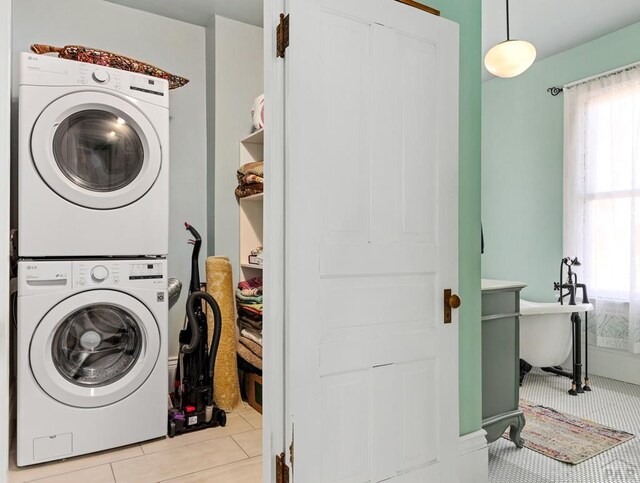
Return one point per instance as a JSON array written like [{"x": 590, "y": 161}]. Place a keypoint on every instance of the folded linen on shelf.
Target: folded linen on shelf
[
  {"x": 251, "y": 345},
  {"x": 250, "y": 292},
  {"x": 245, "y": 353},
  {"x": 250, "y": 179},
  {"x": 244, "y": 190},
  {"x": 250, "y": 323},
  {"x": 252, "y": 334},
  {"x": 251, "y": 284},
  {"x": 256, "y": 168},
  {"x": 250, "y": 311},
  {"x": 248, "y": 299}
]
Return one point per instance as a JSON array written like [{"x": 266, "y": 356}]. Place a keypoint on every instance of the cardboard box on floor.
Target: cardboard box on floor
[{"x": 253, "y": 389}]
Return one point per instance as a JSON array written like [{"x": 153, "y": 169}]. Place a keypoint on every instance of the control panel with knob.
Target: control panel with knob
[
  {"x": 101, "y": 76},
  {"x": 99, "y": 273}
]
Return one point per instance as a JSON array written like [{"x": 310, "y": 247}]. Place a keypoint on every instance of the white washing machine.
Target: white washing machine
[
  {"x": 93, "y": 160},
  {"x": 91, "y": 356}
]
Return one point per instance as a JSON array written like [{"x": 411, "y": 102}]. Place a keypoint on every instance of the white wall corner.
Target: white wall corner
[
  {"x": 474, "y": 458},
  {"x": 173, "y": 366}
]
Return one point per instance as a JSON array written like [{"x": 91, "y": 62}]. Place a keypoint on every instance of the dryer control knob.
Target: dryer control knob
[
  {"x": 101, "y": 76},
  {"x": 99, "y": 273}
]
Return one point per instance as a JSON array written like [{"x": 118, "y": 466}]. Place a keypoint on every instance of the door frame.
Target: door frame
[
  {"x": 5, "y": 203},
  {"x": 274, "y": 434}
]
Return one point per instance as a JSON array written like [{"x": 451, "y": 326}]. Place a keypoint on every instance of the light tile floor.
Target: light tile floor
[
  {"x": 217, "y": 455},
  {"x": 612, "y": 403}
]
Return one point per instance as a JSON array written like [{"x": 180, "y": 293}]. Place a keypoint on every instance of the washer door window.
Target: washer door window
[
  {"x": 95, "y": 348},
  {"x": 96, "y": 150},
  {"x": 96, "y": 345}
]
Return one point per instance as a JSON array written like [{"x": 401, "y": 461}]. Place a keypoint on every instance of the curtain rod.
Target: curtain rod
[{"x": 554, "y": 91}]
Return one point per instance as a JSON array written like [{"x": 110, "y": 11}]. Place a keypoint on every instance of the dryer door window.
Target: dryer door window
[
  {"x": 95, "y": 348},
  {"x": 98, "y": 150},
  {"x": 96, "y": 345}
]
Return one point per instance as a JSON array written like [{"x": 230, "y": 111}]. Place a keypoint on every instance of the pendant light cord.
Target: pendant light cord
[{"x": 508, "y": 37}]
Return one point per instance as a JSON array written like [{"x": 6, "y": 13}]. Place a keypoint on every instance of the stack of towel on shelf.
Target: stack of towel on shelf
[
  {"x": 249, "y": 301},
  {"x": 250, "y": 179}
]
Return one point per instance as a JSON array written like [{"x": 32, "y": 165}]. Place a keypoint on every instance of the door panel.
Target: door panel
[
  {"x": 371, "y": 237},
  {"x": 345, "y": 48}
]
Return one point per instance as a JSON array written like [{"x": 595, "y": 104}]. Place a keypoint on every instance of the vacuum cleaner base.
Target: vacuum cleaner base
[{"x": 181, "y": 422}]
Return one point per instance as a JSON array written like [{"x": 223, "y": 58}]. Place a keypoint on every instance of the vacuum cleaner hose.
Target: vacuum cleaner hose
[
  {"x": 192, "y": 320},
  {"x": 193, "y": 303}
]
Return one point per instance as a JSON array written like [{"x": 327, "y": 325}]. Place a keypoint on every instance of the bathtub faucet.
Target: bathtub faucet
[{"x": 571, "y": 285}]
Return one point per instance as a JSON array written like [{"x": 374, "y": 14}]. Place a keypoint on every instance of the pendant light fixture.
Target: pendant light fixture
[{"x": 511, "y": 57}]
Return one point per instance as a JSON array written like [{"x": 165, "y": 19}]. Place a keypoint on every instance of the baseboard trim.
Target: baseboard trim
[
  {"x": 611, "y": 363},
  {"x": 474, "y": 457}
]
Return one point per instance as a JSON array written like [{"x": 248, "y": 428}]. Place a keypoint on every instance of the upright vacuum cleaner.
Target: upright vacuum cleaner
[{"x": 193, "y": 407}]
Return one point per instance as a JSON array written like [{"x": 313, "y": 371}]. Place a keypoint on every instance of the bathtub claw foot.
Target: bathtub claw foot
[{"x": 525, "y": 368}]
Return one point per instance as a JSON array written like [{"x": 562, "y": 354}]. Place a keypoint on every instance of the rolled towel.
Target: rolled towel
[{"x": 226, "y": 387}]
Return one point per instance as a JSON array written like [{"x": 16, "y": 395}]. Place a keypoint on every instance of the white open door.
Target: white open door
[
  {"x": 371, "y": 226},
  {"x": 5, "y": 157}
]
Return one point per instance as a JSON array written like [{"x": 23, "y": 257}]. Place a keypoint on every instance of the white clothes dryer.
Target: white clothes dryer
[
  {"x": 91, "y": 356},
  {"x": 93, "y": 160}
]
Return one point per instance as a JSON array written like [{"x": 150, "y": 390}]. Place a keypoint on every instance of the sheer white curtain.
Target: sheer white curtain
[{"x": 602, "y": 202}]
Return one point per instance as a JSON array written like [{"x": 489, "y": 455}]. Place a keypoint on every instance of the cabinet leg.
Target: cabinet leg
[{"x": 516, "y": 430}]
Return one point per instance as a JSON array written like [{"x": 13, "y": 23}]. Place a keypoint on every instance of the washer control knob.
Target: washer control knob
[
  {"x": 99, "y": 273},
  {"x": 101, "y": 76}
]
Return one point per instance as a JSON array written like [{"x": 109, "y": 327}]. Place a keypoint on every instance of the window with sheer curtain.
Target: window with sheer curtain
[{"x": 602, "y": 202}]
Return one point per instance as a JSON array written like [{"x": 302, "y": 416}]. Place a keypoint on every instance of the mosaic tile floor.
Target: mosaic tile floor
[{"x": 612, "y": 403}]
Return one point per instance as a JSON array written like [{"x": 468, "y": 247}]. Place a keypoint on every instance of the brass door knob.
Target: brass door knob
[
  {"x": 451, "y": 301},
  {"x": 455, "y": 301}
]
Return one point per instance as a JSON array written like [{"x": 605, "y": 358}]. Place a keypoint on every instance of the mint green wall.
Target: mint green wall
[
  {"x": 522, "y": 143},
  {"x": 468, "y": 14}
]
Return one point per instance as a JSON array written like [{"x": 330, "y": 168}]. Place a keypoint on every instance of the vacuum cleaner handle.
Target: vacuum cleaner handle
[{"x": 194, "y": 285}]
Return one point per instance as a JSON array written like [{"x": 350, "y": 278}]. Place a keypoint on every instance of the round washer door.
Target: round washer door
[
  {"x": 94, "y": 348},
  {"x": 96, "y": 150}
]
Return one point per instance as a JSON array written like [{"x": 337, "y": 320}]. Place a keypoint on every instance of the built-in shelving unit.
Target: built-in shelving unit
[{"x": 251, "y": 209}]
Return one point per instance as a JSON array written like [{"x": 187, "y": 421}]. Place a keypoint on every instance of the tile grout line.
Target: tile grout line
[
  {"x": 207, "y": 469},
  {"x": 238, "y": 445},
  {"x": 195, "y": 442}
]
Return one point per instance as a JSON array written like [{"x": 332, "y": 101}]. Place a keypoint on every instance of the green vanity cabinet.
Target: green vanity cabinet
[{"x": 501, "y": 360}]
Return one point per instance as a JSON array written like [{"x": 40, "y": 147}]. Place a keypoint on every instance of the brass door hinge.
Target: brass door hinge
[
  {"x": 282, "y": 470},
  {"x": 282, "y": 35},
  {"x": 291, "y": 450}
]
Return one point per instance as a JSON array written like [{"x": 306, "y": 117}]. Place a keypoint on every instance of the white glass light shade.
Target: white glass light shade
[{"x": 510, "y": 58}]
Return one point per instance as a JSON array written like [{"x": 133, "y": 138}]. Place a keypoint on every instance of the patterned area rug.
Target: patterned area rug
[{"x": 564, "y": 437}]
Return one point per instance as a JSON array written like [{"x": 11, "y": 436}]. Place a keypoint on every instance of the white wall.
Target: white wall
[
  {"x": 210, "y": 42},
  {"x": 5, "y": 158},
  {"x": 238, "y": 81},
  {"x": 172, "y": 45}
]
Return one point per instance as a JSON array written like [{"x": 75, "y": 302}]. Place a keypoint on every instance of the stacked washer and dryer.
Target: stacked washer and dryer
[{"x": 93, "y": 213}]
